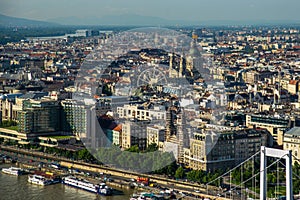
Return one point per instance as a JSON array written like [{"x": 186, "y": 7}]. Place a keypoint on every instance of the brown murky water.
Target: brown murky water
[{"x": 17, "y": 188}]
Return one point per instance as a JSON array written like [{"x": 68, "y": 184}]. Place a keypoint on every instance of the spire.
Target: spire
[
  {"x": 170, "y": 65},
  {"x": 181, "y": 66},
  {"x": 279, "y": 85}
]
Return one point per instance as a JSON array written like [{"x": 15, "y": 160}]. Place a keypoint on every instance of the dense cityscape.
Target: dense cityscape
[{"x": 128, "y": 110}]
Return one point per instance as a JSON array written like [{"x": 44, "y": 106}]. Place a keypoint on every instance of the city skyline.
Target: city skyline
[
  {"x": 187, "y": 11},
  {"x": 189, "y": 108}
]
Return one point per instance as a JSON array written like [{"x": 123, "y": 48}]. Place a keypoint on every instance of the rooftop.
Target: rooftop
[{"x": 294, "y": 132}]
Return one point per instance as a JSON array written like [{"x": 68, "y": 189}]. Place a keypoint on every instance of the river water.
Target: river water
[{"x": 17, "y": 188}]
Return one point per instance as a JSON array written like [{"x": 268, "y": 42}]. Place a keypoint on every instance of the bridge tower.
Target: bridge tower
[{"x": 276, "y": 153}]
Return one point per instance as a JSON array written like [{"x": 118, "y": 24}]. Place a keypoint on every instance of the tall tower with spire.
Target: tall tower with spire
[
  {"x": 279, "y": 85},
  {"x": 180, "y": 67},
  {"x": 194, "y": 59},
  {"x": 170, "y": 64}
]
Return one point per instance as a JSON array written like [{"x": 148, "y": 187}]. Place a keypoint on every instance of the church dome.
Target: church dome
[{"x": 194, "y": 51}]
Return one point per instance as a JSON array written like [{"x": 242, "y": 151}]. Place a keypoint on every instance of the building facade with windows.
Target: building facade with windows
[
  {"x": 292, "y": 142},
  {"x": 136, "y": 112},
  {"x": 39, "y": 116},
  {"x": 74, "y": 117},
  {"x": 134, "y": 132},
  {"x": 275, "y": 125},
  {"x": 211, "y": 152},
  {"x": 155, "y": 135}
]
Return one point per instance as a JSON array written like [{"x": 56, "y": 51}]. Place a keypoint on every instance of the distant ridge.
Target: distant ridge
[
  {"x": 132, "y": 20},
  {"x": 7, "y": 21},
  {"x": 140, "y": 20},
  {"x": 115, "y": 20}
]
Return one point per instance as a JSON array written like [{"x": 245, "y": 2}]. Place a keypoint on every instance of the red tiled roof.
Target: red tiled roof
[
  {"x": 293, "y": 82},
  {"x": 118, "y": 128}
]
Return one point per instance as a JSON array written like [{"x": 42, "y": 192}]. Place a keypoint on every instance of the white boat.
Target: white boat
[
  {"x": 13, "y": 171},
  {"x": 146, "y": 196},
  {"x": 39, "y": 180},
  {"x": 101, "y": 188}
]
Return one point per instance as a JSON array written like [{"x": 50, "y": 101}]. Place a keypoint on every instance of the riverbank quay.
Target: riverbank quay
[{"x": 179, "y": 186}]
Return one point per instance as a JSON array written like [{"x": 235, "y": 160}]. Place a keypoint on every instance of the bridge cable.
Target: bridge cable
[
  {"x": 226, "y": 173},
  {"x": 278, "y": 160}
]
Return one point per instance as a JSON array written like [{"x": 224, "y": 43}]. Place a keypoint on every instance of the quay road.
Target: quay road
[{"x": 185, "y": 187}]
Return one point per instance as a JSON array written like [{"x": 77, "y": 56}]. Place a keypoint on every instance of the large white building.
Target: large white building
[{"x": 135, "y": 112}]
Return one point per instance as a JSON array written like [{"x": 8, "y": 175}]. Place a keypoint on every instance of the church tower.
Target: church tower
[
  {"x": 171, "y": 65},
  {"x": 180, "y": 67},
  {"x": 194, "y": 59}
]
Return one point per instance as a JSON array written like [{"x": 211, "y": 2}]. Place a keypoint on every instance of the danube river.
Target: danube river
[{"x": 17, "y": 188}]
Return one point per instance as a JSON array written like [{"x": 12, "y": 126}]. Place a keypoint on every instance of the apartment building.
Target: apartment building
[
  {"x": 155, "y": 134},
  {"x": 292, "y": 142},
  {"x": 140, "y": 113},
  {"x": 276, "y": 125},
  {"x": 134, "y": 132},
  {"x": 210, "y": 151}
]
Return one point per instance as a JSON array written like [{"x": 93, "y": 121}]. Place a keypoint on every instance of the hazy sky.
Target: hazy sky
[{"x": 168, "y": 9}]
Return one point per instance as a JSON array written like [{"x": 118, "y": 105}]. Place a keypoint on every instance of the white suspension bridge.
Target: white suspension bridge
[{"x": 256, "y": 186}]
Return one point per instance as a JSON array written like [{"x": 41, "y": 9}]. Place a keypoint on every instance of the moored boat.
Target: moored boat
[
  {"x": 13, "y": 171},
  {"x": 73, "y": 181},
  {"x": 39, "y": 180}
]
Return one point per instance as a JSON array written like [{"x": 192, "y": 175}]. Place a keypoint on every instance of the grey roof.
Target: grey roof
[
  {"x": 10, "y": 96},
  {"x": 294, "y": 131},
  {"x": 35, "y": 95}
]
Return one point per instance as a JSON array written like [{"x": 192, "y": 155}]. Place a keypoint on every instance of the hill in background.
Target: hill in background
[{"x": 7, "y": 21}]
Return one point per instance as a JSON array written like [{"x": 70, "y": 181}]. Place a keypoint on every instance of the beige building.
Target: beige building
[
  {"x": 292, "y": 142},
  {"x": 134, "y": 132},
  {"x": 293, "y": 86},
  {"x": 8, "y": 106},
  {"x": 211, "y": 152},
  {"x": 155, "y": 135},
  {"x": 251, "y": 77}
]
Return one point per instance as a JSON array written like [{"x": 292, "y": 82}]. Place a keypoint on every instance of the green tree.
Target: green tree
[
  {"x": 134, "y": 149},
  {"x": 204, "y": 179},
  {"x": 271, "y": 178},
  {"x": 191, "y": 175},
  {"x": 8, "y": 123},
  {"x": 171, "y": 169},
  {"x": 152, "y": 147},
  {"x": 84, "y": 154},
  {"x": 199, "y": 175},
  {"x": 179, "y": 174}
]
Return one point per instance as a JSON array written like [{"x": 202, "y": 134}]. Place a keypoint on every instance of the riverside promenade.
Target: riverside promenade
[{"x": 181, "y": 186}]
